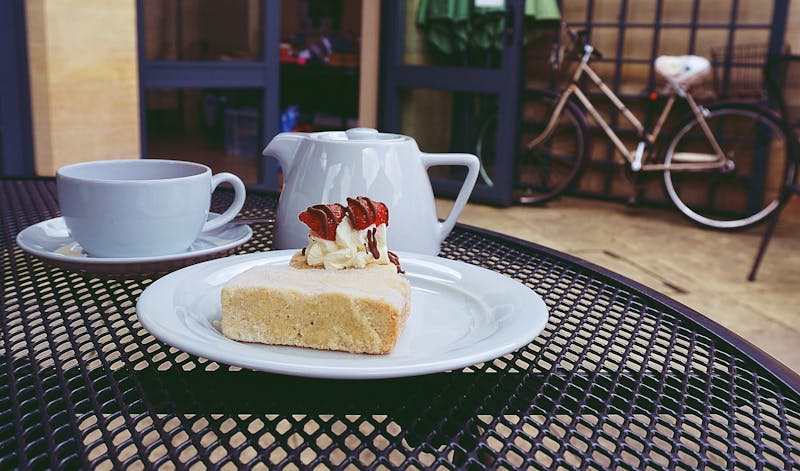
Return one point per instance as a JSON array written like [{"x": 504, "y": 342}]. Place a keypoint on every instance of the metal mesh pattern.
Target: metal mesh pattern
[{"x": 620, "y": 378}]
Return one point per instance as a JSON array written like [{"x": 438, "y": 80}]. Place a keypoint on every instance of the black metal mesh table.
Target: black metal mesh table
[{"x": 621, "y": 377}]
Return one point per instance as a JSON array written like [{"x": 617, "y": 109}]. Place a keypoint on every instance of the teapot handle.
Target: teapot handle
[{"x": 473, "y": 164}]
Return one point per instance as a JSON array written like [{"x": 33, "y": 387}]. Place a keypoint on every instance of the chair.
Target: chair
[{"x": 782, "y": 80}]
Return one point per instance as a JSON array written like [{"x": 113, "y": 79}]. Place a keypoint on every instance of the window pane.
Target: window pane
[
  {"x": 320, "y": 64},
  {"x": 202, "y": 29},
  {"x": 445, "y": 121},
  {"x": 218, "y": 128}
]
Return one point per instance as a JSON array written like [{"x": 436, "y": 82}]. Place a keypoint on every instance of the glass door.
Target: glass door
[
  {"x": 451, "y": 78},
  {"x": 209, "y": 78}
]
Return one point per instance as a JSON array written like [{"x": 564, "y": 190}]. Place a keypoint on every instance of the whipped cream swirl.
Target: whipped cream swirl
[{"x": 350, "y": 249}]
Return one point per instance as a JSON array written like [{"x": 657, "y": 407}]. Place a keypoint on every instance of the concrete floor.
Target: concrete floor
[{"x": 703, "y": 269}]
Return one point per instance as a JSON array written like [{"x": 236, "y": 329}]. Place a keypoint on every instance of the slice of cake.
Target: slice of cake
[
  {"x": 343, "y": 291},
  {"x": 354, "y": 310}
]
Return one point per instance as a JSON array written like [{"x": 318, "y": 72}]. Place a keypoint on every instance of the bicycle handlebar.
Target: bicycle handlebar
[{"x": 582, "y": 38}]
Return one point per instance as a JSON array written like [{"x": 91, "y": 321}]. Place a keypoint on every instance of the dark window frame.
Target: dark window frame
[{"x": 16, "y": 129}]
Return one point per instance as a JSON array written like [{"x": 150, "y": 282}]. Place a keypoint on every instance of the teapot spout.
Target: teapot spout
[{"x": 284, "y": 147}]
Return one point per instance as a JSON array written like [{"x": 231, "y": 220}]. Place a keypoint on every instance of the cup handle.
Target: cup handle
[
  {"x": 234, "y": 208},
  {"x": 473, "y": 164}
]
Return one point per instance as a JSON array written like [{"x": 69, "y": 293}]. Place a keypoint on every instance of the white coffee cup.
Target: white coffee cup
[{"x": 141, "y": 207}]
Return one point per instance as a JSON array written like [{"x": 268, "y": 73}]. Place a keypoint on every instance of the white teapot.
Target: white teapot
[{"x": 329, "y": 167}]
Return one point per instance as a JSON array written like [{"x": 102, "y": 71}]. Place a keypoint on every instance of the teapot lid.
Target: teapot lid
[{"x": 361, "y": 135}]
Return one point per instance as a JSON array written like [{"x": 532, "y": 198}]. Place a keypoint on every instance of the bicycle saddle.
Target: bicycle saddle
[{"x": 685, "y": 70}]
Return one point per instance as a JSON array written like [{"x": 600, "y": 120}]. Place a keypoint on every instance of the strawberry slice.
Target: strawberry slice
[
  {"x": 358, "y": 213},
  {"x": 315, "y": 224},
  {"x": 364, "y": 212},
  {"x": 381, "y": 214},
  {"x": 322, "y": 219}
]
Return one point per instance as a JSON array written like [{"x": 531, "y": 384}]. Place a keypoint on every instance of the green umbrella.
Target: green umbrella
[{"x": 453, "y": 26}]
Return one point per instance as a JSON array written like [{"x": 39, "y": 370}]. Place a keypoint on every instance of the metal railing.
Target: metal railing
[{"x": 724, "y": 36}]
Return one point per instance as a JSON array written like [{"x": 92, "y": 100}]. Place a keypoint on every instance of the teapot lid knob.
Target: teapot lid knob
[{"x": 361, "y": 134}]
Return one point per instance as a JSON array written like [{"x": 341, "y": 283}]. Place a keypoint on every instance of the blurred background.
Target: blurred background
[{"x": 213, "y": 81}]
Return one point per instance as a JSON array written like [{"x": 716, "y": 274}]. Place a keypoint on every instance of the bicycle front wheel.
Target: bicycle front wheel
[
  {"x": 748, "y": 188},
  {"x": 551, "y": 167}
]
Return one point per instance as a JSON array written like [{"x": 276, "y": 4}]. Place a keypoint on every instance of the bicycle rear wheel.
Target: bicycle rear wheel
[
  {"x": 485, "y": 147},
  {"x": 737, "y": 197},
  {"x": 550, "y": 168}
]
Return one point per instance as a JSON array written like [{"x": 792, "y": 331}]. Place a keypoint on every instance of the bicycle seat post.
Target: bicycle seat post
[
  {"x": 587, "y": 53},
  {"x": 677, "y": 87}
]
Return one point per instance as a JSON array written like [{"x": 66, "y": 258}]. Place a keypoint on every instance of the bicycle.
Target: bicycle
[{"x": 723, "y": 164}]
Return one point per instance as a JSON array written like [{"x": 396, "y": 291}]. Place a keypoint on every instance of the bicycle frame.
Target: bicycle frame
[{"x": 634, "y": 158}]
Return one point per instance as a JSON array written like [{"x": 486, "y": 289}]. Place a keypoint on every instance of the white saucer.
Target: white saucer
[
  {"x": 50, "y": 241},
  {"x": 460, "y": 315}
]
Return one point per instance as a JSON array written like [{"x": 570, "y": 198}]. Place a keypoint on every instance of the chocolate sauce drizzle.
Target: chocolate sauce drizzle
[
  {"x": 369, "y": 206},
  {"x": 366, "y": 205},
  {"x": 372, "y": 244},
  {"x": 396, "y": 261}
]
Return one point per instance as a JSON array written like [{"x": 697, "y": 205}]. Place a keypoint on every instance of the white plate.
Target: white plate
[
  {"x": 50, "y": 240},
  {"x": 460, "y": 315}
]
